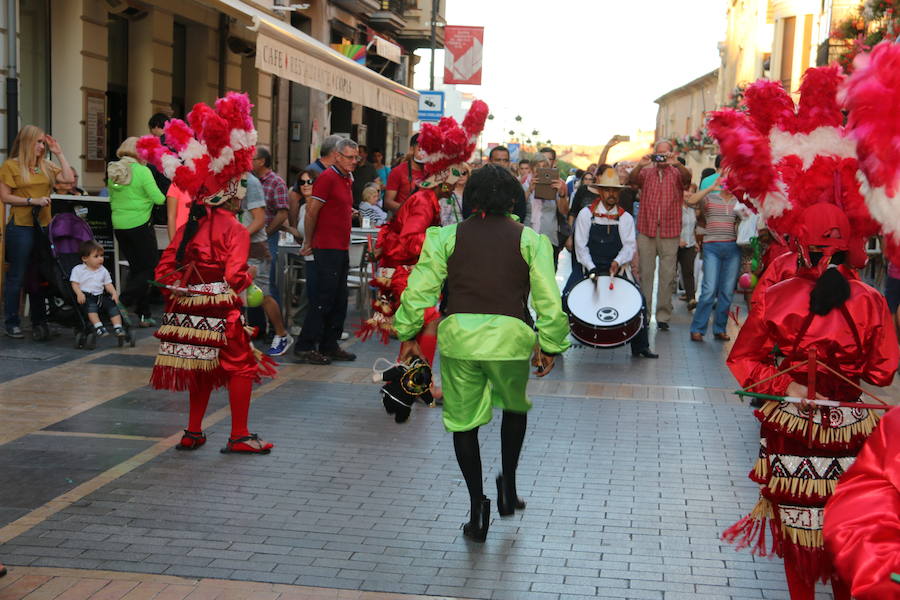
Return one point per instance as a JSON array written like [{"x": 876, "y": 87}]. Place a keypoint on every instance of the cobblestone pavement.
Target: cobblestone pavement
[{"x": 631, "y": 469}]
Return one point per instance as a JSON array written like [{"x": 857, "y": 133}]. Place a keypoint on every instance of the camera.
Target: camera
[{"x": 658, "y": 158}]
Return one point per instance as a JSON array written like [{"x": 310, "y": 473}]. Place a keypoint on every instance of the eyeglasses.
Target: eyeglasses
[{"x": 306, "y": 181}]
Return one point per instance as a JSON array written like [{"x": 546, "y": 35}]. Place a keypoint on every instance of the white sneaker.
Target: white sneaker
[
  {"x": 280, "y": 345},
  {"x": 345, "y": 336}
]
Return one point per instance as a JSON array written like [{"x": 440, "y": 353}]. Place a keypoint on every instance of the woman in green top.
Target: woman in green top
[
  {"x": 132, "y": 194},
  {"x": 490, "y": 264}
]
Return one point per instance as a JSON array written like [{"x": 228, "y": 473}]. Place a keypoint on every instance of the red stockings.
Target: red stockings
[
  {"x": 199, "y": 402},
  {"x": 428, "y": 344},
  {"x": 239, "y": 390}
]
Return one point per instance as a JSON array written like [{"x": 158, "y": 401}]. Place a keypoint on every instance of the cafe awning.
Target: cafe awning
[{"x": 287, "y": 52}]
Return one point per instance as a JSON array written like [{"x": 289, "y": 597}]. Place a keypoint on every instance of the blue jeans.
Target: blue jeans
[
  {"x": 19, "y": 245},
  {"x": 575, "y": 276},
  {"x": 721, "y": 262},
  {"x": 273, "y": 268}
]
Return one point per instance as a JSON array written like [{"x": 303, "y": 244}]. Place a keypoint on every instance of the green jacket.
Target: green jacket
[
  {"x": 132, "y": 202},
  {"x": 485, "y": 336}
]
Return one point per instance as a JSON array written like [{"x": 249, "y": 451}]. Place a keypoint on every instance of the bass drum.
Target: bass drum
[{"x": 603, "y": 316}]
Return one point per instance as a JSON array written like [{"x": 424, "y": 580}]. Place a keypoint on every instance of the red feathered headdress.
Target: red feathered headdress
[
  {"x": 447, "y": 143},
  {"x": 872, "y": 94},
  {"x": 207, "y": 158},
  {"x": 786, "y": 158}
]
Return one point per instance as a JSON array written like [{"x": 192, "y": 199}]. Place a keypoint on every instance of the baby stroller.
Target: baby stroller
[{"x": 64, "y": 236}]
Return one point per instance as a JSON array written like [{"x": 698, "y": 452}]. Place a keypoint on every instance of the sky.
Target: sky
[{"x": 580, "y": 71}]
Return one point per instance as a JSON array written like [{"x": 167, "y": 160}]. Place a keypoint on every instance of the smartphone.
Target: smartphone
[{"x": 543, "y": 180}]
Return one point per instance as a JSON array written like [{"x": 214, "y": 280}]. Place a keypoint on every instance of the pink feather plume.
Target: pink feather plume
[
  {"x": 745, "y": 151},
  {"x": 767, "y": 104},
  {"x": 818, "y": 105},
  {"x": 873, "y": 97}
]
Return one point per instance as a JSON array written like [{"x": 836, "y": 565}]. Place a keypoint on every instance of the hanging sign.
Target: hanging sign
[{"x": 462, "y": 54}]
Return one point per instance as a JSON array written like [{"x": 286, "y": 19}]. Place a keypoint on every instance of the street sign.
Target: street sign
[{"x": 431, "y": 105}]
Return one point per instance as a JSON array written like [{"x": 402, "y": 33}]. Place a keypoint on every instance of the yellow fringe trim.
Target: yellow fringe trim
[
  {"x": 194, "y": 334},
  {"x": 190, "y": 364},
  {"x": 805, "y": 538},
  {"x": 201, "y": 300},
  {"x": 761, "y": 468},
  {"x": 764, "y": 509},
  {"x": 822, "y": 435},
  {"x": 797, "y": 487}
]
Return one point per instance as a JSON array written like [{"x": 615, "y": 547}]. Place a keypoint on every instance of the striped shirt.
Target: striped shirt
[{"x": 721, "y": 222}]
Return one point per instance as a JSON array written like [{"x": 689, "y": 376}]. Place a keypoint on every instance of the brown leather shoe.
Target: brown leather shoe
[
  {"x": 340, "y": 355},
  {"x": 696, "y": 337},
  {"x": 724, "y": 337}
]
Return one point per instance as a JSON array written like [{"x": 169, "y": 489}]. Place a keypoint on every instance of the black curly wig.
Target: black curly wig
[{"x": 491, "y": 190}]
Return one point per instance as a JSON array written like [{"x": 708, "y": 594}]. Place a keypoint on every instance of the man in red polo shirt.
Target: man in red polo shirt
[
  {"x": 404, "y": 178},
  {"x": 327, "y": 238}
]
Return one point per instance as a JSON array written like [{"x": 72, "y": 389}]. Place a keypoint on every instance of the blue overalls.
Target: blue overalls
[{"x": 604, "y": 244}]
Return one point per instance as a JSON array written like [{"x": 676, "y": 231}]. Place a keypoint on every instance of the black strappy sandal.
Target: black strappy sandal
[
  {"x": 240, "y": 446},
  {"x": 191, "y": 440}
]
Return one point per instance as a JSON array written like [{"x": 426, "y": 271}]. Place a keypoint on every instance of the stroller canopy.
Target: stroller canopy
[{"x": 67, "y": 232}]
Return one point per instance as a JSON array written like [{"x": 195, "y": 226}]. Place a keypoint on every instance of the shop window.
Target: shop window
[
  {"x": 117, "y": 84},
  {"x": 34, "y": 63}
]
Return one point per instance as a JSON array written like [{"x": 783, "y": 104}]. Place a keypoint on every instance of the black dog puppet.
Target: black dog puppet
[{"x": 404, "y": 384}]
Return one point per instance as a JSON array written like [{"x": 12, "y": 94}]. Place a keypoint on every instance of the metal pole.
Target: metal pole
[
  {"x": 435, "y": 4},
  {"x": 224, "y": 23},
  {"x": 12, "y": 76}
]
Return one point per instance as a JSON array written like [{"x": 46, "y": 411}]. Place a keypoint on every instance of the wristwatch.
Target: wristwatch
[{"x": 28, "y": 201}]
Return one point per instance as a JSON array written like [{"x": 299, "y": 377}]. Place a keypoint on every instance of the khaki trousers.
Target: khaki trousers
[{"x": 667, "y": 250}]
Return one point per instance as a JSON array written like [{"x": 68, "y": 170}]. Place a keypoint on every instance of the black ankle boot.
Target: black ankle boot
[
  {"x": 507, "y": 502},
  {"x": 479, "y": 521}
]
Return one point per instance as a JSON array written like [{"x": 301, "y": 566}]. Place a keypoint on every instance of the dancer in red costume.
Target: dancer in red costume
[
  {"x": 203, "y": 341},
  {"x": 800, "y": 166},
  {"x": 862, "y": 518},
  {"x": 825, "y": 309},
  {"x": 446, "y": 146}
]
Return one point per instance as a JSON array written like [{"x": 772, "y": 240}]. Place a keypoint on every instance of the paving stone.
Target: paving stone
[{"x": 626, "y": 498}]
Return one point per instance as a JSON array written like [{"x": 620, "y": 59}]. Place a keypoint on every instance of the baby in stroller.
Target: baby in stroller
[{"x": 94, "y": 290}]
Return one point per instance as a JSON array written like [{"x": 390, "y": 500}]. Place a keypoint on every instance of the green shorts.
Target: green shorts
[{"x": 473, "y": 387}]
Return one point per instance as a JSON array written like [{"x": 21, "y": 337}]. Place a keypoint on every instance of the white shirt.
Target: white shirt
[
  {"x": 90, "y": 282},
  {"x": 688, "y": 225},
  {"x": 583, "y": 223}
]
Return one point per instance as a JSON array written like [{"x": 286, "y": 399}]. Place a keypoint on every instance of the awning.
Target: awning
[{"x": 289, "y": 53}]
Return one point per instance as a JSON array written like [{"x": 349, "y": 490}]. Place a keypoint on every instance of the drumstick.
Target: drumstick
[{"x": 611, "y": 283}]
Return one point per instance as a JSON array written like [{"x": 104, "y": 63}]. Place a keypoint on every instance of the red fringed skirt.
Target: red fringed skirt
[
  {"x": 203, "y": 342},
  {"x": 801, "y": 458}
]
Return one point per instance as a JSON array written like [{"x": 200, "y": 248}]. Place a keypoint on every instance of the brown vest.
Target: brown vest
[{"x": 486, "y": 273}]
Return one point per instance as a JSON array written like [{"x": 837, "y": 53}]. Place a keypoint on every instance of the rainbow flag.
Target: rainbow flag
[{"x": 355, "y": 51}]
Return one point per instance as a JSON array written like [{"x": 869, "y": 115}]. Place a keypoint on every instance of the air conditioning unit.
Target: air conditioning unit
[{"x": 126, "y": 8}]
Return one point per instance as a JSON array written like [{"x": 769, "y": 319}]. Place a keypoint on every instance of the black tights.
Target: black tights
[{"x": 468, "y": 454}]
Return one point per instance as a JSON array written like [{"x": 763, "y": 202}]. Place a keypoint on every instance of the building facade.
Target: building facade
[
  {"x": 92, "y": 72},
  {"x": 681, "y": 117}
]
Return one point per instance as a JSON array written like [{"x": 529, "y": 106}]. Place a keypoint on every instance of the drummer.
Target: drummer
[{"x": 605, "y": 243}]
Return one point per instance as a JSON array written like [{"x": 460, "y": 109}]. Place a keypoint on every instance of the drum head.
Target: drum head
[{"x": 595, "y": 304}]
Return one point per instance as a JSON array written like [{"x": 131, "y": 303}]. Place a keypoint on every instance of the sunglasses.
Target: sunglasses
[{"x": 306, "y": 181}]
